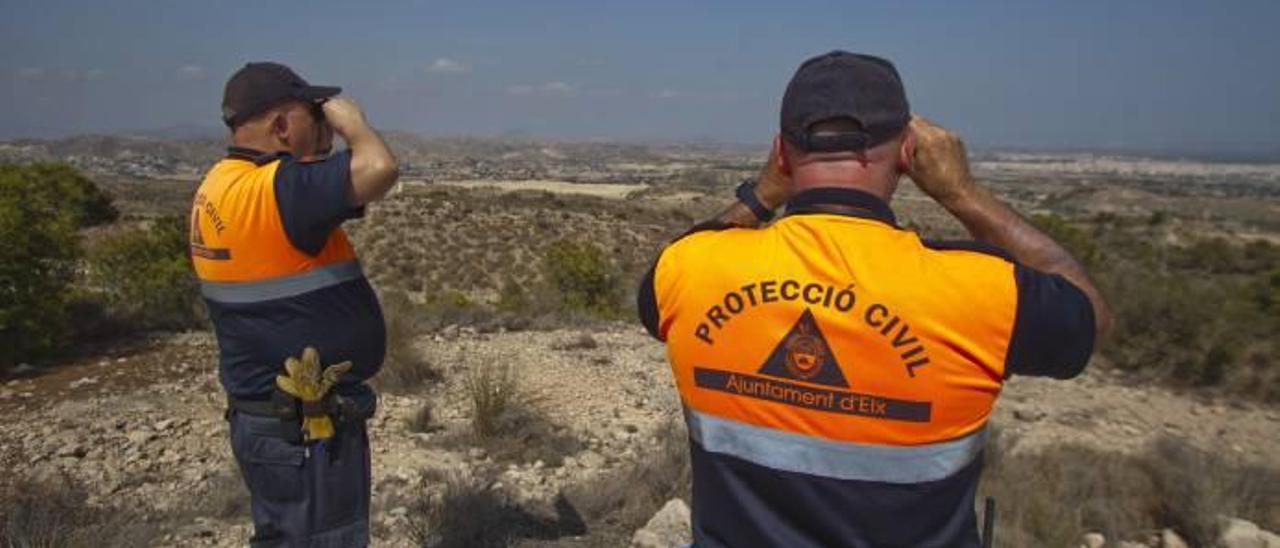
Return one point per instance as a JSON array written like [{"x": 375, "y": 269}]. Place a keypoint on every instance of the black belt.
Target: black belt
[
  {"x": 343, "y": 410},
  {"x": 274, "y": 407}
]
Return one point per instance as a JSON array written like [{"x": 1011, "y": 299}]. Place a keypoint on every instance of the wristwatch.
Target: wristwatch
[{"x": 746, "y": 193}]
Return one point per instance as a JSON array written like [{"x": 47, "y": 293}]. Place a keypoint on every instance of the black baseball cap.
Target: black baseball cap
[
  {"x": 260, "y": 86},
  {"x": 839, "y": 84}
]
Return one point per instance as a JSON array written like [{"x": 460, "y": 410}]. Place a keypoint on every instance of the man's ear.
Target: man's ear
[
  {"x": 780, "y": 154},
  {"x": 280, "y": 126},
  {"x": 906, "y": 151}
]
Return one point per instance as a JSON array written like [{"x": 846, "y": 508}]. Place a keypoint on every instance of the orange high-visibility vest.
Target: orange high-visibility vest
[
  {"x": 837, "y": 372},
  {"x": 237, "y": 236}
]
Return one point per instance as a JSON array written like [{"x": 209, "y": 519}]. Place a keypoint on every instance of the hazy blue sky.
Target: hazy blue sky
[{"x": 1174, "y": 73}]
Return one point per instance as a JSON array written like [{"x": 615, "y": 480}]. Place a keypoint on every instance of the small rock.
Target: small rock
[
  {"x": 82, "y": 382},
  {"x": 1093, "y": 540},
  {"x": 671, "y": 526},
  {"x": 72, "y": 449},
  {"x": 1238, "y": 533},
  {"x": 591, "y": 459},
  {"x": 140, "y": 437},
  {"x": 1170, "y": 539}
]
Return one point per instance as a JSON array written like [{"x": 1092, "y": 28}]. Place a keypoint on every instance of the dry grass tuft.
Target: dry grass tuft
[
  {"x": 423, "y": 419},
  {"x": 494, "y": 393},
  {"x": 54, "y": 513},
  {"x": 405, "y": 369},
  {"x": 625, "y": 499},
  {"x": 459, "y": 511},
  {"x": 1053, "y": 497}
]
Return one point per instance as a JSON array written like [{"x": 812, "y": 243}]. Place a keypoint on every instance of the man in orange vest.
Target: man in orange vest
[
  {"x": 837, "y": 372},
  {"x": 281, "y": 280}
]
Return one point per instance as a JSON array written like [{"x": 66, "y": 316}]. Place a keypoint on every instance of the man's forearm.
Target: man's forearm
[
  {"x": 991, "y": 221},
  {"x": 771, "y": 190},
  {"x": 739, "y": 215},
  {"x": 373, "y": 168}
]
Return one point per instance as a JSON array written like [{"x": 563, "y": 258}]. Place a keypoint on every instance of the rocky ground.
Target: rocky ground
[{"x": 144, "y": 428}]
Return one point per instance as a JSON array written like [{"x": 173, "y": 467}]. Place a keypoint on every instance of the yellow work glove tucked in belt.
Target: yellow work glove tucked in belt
[{"x": 306, "y": 381}]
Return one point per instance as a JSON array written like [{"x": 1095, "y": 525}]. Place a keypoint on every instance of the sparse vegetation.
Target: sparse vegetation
[
  {"x": 506, "y": 420},
  {"x": 583, "y": 341},
  {"x": 661, "y": 474},
  {"x": 404, "y": 369},
  {"x": 462, "y": 511},
  {"x": 1053, "y": 497},
  {"x": 226, "y": 498},
  {"x": 1200, "y": 314},
  {"x": 423, "y": 420},
  {"x": 53, "y": 513}
]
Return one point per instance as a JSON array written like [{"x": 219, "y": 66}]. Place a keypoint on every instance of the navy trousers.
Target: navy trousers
[{"x": 314, "y": 495}]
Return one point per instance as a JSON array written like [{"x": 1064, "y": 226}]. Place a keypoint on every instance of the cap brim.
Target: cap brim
[{"x": 315, "y": 93}]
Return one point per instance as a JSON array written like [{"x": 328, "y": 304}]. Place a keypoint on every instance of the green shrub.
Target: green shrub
[
  {"x": 585, "y": 278},
  {"x": 59, "y": 186},
  {"x": 144, "y": 276},
  {"x": 512, "y": 297},
  {"x": 42, "y": 206},
  {"x": 1081, "y": 244}
]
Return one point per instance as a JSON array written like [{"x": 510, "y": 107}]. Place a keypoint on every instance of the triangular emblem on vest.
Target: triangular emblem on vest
[{"x": 804, "y": 355}]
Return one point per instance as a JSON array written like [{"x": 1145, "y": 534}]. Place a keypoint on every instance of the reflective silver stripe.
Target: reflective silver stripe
[
  {"x": 803, "y": 454},
  {"x": 279, "y": 288}
]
